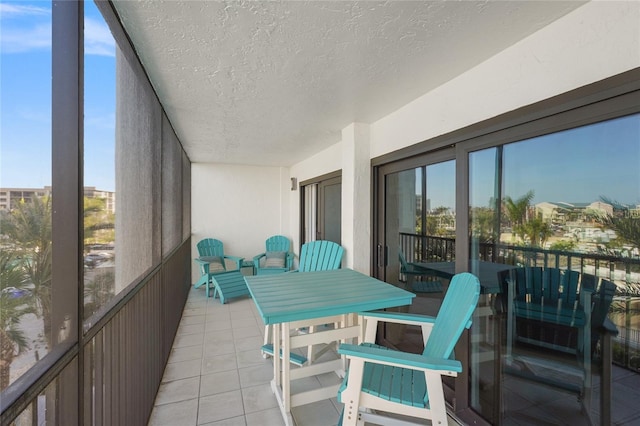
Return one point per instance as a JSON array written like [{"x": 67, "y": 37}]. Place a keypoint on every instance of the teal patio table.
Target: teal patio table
[
  {"x": 487, "y": 272},
  {"x": 305, "y": 299}
]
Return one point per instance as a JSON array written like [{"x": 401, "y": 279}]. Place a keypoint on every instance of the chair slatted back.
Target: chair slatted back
[
  {"x": 548, "y": 286},
  {"x": 454, "y": 315},
  {"x": 277, "y": 243},
  {"x": 320, "y": 255},
  {"x": 404, "y": 266},
  {"x": 210, "y": 247},
  {"x": 601, "y": 302}
]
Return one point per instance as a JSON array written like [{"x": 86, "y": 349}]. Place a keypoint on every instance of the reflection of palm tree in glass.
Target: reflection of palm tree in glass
[
  {"x": 29, "y": 228},
  {"x": 537, "y": 231},
  {"x": 482, "y": 221},
  {"x": 12, "y": 308},
  {"x": 517, "y": 212},
  {"x": 627, "y": 229}
]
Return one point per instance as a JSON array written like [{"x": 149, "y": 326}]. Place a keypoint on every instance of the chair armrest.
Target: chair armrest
[
  {"x": 609, "y": 327},
  {"x": 201, "y": 261},
  {"x": 398, "y": 317},
  {"x": 256, "y": 260},
  {"x": 236, "y": 259},
  {"x": 399, "y": 359}
]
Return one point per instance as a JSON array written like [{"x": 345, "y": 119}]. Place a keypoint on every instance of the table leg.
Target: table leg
[
  {"x": 280, "y": 383},
  {"x": 348, "y": 330},
  {"x": 277, "y": 347},
  {"x": 286, "y": 354}
]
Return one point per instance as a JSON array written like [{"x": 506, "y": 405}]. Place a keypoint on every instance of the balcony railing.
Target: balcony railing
[
  {"x": 123, "y": 358},
  {"x": 623, "y": 271}
]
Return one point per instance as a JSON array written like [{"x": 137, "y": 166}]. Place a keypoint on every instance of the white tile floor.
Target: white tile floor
[{"x": 216, "y": 375}]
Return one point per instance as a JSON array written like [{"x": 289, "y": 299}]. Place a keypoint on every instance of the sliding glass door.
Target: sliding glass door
[
  {"x": 417, "y": 220},
  {"x": 322, "y": 209}
]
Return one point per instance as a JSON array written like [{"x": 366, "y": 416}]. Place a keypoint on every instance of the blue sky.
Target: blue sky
[
  {"x": 25, "y": 96},
  {"x": 580, "y": 165}
]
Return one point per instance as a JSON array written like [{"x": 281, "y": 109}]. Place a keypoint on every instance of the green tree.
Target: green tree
[
  {"x": 482, "y": 224},
  {"x": 97, "y": 292},
  {"x": 432, "y": 226},
  {"x": 517, "y": 212},
  {"x": 28, "y": 226},
  {"x": 99, "y": 224},
  {"x": 536, "y": 231},
  {"x": 12, "y": 339},
  {"x": 627, "y": 229},
  {"x": 563, "y": 245}
]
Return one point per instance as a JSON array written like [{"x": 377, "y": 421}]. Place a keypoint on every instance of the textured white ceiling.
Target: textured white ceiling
[{"x": 272, "y": 83}]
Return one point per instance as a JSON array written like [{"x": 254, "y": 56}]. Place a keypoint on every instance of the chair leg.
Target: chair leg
[
  {"x": 202, "y": 280},
  {"x": 351, "y": 395},
  {"x": 268, "y": 338},
  {"x": 436, "y": 398}
]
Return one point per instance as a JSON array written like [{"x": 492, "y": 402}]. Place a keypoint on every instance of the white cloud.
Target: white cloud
[
  {"x": 25, "y": 39},
  {"x": 11, "y": 10},
  {"x": 23, "y": 30},
  {"x": 98, "y": 39},
  {"x": 16, "y": 39}
]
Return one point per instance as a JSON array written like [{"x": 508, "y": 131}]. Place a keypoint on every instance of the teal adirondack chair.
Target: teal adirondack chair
[
  {"x": 277, "y": 257},
  {"x": 211, "y": 260},
  {"x": 410, "y": 271},
  {"x": 317, "y": 255},
  {"x": 320, "y": 255},
  {"x": 381, "y": 380}
]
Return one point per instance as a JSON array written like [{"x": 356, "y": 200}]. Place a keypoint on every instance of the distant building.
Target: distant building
[
  {"x": 561, "y": 212},
  {"x": 601, "y": 208},
  {"x": 109, "y": 196},
  {"x": 548, "y": 211},
  {"x": 10, "y": 197},
  {"x": 635, "y": 212}
]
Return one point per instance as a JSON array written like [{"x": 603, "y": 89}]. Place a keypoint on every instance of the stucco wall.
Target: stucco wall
[
  {"x": 596, "y": 41},
  {"x": 240, "y": 205}
]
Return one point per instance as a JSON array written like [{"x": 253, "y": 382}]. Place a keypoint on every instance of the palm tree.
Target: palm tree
[
  {"x": 12, "y": 338},
  {"x": 517, "y": 211},
  {"x": 97, "y": 292},
  {"x": 627, "y": 230},
  {"x": 482, "y": 224},
  {"x": 29, "y": 228},
  {"x": 537, "y": 231},
  {"x": 99, "y": 224}
]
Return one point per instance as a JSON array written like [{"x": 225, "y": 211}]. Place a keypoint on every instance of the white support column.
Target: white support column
[{"x": 356, "y": 196}]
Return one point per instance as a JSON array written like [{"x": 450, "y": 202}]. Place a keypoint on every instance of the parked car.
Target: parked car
[{"x": 94, "y": 259}]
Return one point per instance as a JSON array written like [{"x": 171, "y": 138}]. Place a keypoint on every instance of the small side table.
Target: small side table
[{"x": 247, "y": 264}]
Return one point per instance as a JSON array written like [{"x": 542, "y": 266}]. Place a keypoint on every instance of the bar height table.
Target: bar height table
[{"x": 302, "y": 299}]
